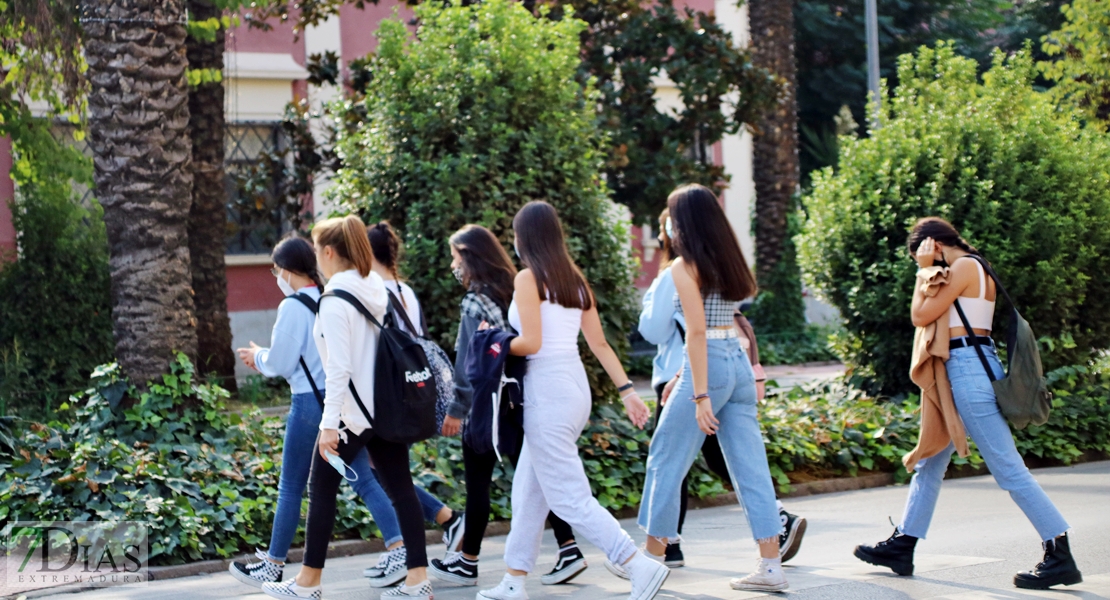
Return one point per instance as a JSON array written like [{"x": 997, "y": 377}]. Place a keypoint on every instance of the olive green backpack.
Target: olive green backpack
[{"x": 1022, "y": 395}]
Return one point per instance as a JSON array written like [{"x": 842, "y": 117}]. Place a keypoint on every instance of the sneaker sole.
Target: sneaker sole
[
  {"x": 899, "y": 568},
  {"x": 656, "y": 583},
  {"x": 674, "y": 564},
  {"x": 247, "y": 579},
  {"x": 754, "y": 587},
  {"x": 451, "y": 577},
  {"x": 481, "y": 596},
  {"x": 794, "y": 540},
  {"x": 280, "y": 596},
  {"x": 569, "y": 572},
  {"x": 388, "y": 580},
  {"x": 1067, "y": 579},
  {"x": 609, "y": 566}
]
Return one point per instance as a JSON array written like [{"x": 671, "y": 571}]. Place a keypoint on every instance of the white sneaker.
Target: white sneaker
[
  {"x": 510, "y": 588},
  {"x": 421, "y": 591},
  {"x": 768, "y": 577},
  {"x": 290, "y": 589},
  {"x": 398, "y": 553},
  {"x": 622, "y": 572},
  {"x": 394, "y": 572},
  {"x": 647, "y": 575}
]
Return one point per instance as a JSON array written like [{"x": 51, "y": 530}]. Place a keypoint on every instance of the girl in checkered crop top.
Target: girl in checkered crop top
[{"x": 718, "y": 311}]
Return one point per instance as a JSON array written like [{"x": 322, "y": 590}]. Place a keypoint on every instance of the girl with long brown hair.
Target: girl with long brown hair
[{"x": 552, "y": 303}]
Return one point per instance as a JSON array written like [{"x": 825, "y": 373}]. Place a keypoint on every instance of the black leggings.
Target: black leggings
[
  {"x": 479, "y": 474},
  {"x": 391, "y": 461},
  {"x": 710, "y": 449}
]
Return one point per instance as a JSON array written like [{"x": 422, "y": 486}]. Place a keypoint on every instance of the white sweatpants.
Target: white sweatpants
[{"x": 549, "y": 474}]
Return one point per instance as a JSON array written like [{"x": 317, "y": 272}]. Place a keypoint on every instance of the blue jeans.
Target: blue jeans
[
  {"x": 301, "y": 429},
  {"x": 677, "y": 439},
  {"x": 978, "y": 408}
]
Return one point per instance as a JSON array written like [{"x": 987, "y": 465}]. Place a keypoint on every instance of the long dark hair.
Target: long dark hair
[
  {"x": 666, "y": 249},
  {"x": 386, "y": 245},
  {"x": 485, "y": 264},
  {"x": 941, "y": 231},
  {"x": 543, "y": 249},
  {"x": 295, "y": 254},
  {"x": 704, "y": 239}
]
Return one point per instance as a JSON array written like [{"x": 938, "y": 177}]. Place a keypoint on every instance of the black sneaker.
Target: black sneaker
[
  {"x": 569, "y": 565},
  {"x": 895, "y": 552},
  {"x": 257, "y": 573},
  {"x": 790, "y": 540},
  {"x": 1057, "y": 568},
  {"x": 456, "y": 568},
  {"x": 453, "y": 533},
  {"x": 672, "y": 556}
]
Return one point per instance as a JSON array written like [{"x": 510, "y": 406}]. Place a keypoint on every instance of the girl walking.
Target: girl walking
[
  {"x": 481, "y": 265},
  {"x": 552, "y": 302},
  {"x": 716, "y": 392},
  {"x": 970, "y": 393},
  {"x": 661, "y": 324},
  {"x": 347, "y": 343},
  {"x": 292, "y": 354},
  {"x": 386, "y": 246}
]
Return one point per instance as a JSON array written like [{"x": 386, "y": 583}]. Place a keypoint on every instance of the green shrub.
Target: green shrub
[
  {"x": 1019, "y": 177},
  {"x": 1080, "y": 419},
  {"x": 55, "y": 311},
  {"x": 476, "y": 116}
]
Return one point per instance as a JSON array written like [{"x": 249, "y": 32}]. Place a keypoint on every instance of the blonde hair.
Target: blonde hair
[{"x": 347, "y": 235}]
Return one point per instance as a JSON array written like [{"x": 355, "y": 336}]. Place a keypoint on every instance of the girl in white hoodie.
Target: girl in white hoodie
[{"x": 348, "y": 347}]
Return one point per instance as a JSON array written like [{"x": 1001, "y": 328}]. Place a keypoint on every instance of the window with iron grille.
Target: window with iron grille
[{"x": 256, "y": 155}]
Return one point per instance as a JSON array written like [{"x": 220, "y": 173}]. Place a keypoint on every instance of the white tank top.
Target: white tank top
[
  {"x": 560, "y": 328},
  {"x": 979, "y": 311}
]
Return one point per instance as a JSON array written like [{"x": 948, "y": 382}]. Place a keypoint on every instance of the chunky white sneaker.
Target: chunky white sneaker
[
  {"x": 622, "y": 572},
  {"x": 394, "y": 571},
  {"x": 420, "y": 591},
  {"x": 257, "y": 573},
  {"x": 768, "y": 577},
  {"x": 290, "y": 589},
  {"x": 510, "y": 588},
  {"x": 386, "y": 557},
  {"x": 647, "y": 575},
  {"x": 570, "y": 564}
]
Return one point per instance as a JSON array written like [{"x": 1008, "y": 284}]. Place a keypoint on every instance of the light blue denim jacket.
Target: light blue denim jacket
[{"x": 659, "y": 323}]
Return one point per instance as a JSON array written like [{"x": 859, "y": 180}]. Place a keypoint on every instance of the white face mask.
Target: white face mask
[{"x": 284, "y": 285}]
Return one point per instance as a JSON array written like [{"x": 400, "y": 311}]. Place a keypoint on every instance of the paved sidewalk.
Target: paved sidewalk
[{"x": 978, "y": 541}]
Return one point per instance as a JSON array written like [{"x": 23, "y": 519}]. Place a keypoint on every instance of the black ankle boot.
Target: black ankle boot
[
  {"x": 895, "y": 552},
  {"x": 1057, "y": 568}
]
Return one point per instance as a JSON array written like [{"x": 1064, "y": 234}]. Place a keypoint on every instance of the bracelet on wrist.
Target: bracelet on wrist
[
  {"x": 700, "y": 397},
  {"x": 625, "y": 387}
]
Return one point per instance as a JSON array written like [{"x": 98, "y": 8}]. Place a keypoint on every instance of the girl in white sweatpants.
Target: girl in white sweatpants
[{"x": 552, "y": 302}]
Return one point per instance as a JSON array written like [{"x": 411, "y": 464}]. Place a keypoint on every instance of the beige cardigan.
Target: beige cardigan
[{"x": 940, "y": 422}]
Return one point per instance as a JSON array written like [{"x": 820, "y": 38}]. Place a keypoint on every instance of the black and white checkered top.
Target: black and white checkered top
[{"x": 718, "y": 311}]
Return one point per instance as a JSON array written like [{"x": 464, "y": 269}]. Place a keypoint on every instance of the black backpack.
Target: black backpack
[{"x": 404, "y": 386}]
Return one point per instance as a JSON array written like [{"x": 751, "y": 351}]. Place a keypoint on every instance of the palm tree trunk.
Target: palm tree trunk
[
  {"x": 208, "y": 215},
  {"x": 138, "y": 115},
  {"x": 775, "y": 162}
]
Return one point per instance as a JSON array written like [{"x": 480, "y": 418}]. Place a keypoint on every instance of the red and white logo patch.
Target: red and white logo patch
[{"x": 495, "y": 349}]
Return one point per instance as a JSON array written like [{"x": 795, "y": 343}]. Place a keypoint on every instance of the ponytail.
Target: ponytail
[
  {"x": 386, "y": 245},
  {"x": 347, "y": 235}
]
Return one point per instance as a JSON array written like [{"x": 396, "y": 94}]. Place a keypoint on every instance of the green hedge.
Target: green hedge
[
  {"x": 1019, "y": 176},
  {"x": 206, "y": 479}
]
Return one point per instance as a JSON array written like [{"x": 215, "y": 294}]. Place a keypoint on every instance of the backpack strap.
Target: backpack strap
[
  {"x": 399, "y": 309},
  {"x": 1011, "y": 334},
  {"x": 313, "y": 306},
  {"x": 350, "y": 298}
]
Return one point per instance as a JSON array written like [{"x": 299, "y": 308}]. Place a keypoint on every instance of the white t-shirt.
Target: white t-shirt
[{"x": 409, "y": 300}]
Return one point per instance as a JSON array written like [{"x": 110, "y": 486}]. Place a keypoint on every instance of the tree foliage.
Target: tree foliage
[
  {"x": 1081, "y": 70},
  {"x": 476, "y": 116},
  {"x": 1021, "y": 180}
]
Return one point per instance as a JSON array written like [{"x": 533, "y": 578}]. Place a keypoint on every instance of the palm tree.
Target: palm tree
[
  {"x": 208, "y": 215},
  {"x": 138, "y": 119},
  {"x": 775, "y": 160}
]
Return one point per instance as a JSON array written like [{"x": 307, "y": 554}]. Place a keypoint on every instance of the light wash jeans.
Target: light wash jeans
[
  {"x": 978, "y": 408},
  {"x": 301, "y": 429},
  {"x": 549, "y": 474},
  {"x": 677, "y": 439}
]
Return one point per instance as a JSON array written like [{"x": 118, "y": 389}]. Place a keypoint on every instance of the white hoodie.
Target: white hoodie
[{"x": 348, "y": 345}]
